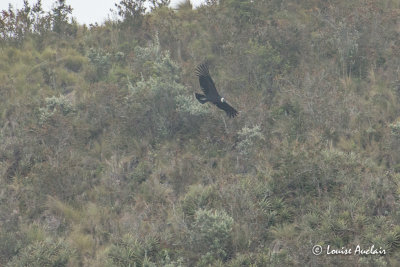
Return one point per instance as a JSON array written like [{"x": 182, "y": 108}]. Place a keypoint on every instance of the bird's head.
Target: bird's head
[{"x": 222, "y": 100}]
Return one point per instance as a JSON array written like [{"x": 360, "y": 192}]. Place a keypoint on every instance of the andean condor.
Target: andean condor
[{"x": 211, "y": 94}]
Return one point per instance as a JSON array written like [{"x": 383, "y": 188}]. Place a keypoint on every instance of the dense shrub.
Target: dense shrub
[
  {"x": 46, "y": 253},
  {"x": 211, "y": 235}
]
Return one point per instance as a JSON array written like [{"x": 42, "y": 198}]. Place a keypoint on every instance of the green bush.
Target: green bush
[
  {"x": 250, "y": 137},
  {"x": 74, "y": 63},
  {"x": 101, "y": 61},
  {"x": 188, "y": 105},
  {"x": 211, "y": 235},
  {"x": 52, "y": 103},
  {"x": 128, "y": 251},
  {"x": 198, "y": 197}
]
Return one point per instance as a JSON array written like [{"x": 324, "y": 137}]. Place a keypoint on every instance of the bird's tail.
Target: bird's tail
[{"x": 202, "y": 98}]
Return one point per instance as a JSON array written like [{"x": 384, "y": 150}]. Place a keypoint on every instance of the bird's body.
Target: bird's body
[{"x": 210, "y": 91}]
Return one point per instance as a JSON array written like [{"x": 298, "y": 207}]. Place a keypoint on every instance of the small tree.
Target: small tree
[
  {"x": 131, "y": 11},
  {"x": 60, "y": 14}
]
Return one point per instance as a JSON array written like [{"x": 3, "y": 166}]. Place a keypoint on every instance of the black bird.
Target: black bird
[{"x": 211, "y": 94}]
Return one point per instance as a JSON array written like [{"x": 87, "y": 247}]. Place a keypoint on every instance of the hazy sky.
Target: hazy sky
[{"x": 85, "y": 11}]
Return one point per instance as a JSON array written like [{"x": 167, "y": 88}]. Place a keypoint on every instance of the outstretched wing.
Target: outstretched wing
[
  {"x": 230, "y": 111},
  {"x": 206, "y": 83}
]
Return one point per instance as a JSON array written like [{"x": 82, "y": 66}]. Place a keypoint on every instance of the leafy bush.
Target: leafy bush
[
  {"x": 198, "y": 197},
  {"x": 52, "y": 103},
  {"x": 159, "y": 88},
  {"x": 395, "y": 128},
  {"x": 74, "y": 63},
  {"x": 211, "y": 235},
  {"x": 249, "y": 138},
  {"x": 188, "y": 105},
  {"x": 128, "y": 251},
  {"x": 101, "y": 61}
]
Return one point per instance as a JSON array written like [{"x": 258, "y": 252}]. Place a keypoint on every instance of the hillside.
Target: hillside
[{"x": 107, "y": 159}]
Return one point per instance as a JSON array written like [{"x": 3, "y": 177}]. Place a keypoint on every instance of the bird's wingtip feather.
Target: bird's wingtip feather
[{"x": 202, "y": 69}]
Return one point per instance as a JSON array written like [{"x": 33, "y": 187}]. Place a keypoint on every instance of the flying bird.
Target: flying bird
[{"x": 211, "y": 94}]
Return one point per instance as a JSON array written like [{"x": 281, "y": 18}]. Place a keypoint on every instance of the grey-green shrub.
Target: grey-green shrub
[
  {"x": 211, "y": 234},
  {"x": 52, "y": 103},
  {"x": 249, "y": 138}
]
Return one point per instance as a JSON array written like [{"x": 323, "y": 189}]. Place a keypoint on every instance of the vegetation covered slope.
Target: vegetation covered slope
[{"x": 107, "y": 159}]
